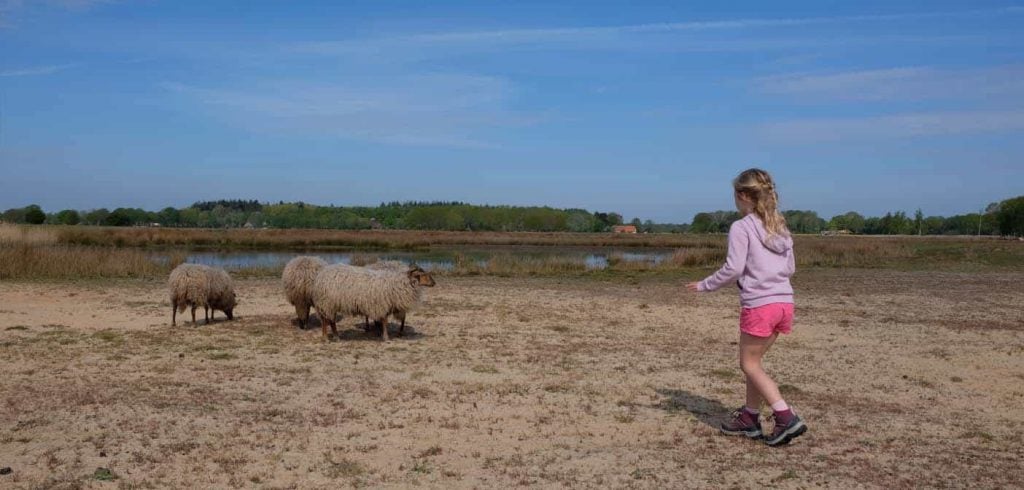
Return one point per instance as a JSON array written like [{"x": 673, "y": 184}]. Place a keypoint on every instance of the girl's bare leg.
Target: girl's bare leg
[{"x": 759, "y": 384}]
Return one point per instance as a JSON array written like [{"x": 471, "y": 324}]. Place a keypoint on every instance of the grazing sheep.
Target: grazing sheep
[
  {"x": 194, "y": 285},
  {"x": 343, "y": 289},
  {"x": 298, "y": 278}
]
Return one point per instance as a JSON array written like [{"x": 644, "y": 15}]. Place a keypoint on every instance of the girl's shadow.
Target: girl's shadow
[{"x": 708, "y": 411}]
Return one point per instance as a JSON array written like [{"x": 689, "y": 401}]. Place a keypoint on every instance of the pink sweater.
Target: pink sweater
[{"x": 761, "y": 266}]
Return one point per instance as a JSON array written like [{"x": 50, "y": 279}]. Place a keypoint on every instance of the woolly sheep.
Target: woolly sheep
[
  {"x": 394, "y": 266},
  {"x": 343, "y": 289},
  {"x": 298, "y": 277},
  {"x": 194, "y": 285}
]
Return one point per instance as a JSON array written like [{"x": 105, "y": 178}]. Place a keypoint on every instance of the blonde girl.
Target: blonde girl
[{"x": 760, "y": 261}]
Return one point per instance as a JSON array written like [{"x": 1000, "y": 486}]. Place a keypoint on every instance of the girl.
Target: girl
[{"x": 761, "y": 261}]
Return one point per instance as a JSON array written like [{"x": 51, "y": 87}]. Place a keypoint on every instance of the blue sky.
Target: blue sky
[{"x": 648, "y": 109}]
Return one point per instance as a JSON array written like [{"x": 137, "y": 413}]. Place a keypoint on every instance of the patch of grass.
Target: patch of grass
[
  {"x": 422, "y": 467},
  {"x": 16, "y": 327},
  {"x": 978, "y": 434},
  {"x": 786, "y": 475},
  {"x": 723, "y": 374},
  {"x": 344, "y": 468},
  {"x": 788, "y": 389},
  {"x": 221, "y": 356},
  {"x": 431, "y": 451},
  {"x": 624, "y": 418},
  {"x": 485, "y": 369},
  {"x": 109, "y": 336},
  {"x": 642, "y": 473},
  {"x": 104, "y": 474}
]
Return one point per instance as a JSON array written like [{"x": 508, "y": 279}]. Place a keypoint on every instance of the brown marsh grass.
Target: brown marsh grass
[
  {"x": 27, "y": 261},
  {"x": 83, "y": 252},
  {"x": 306, "y": 239}
]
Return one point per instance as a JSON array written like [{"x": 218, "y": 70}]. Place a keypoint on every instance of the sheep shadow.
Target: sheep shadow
[
  {"x": 360, "y": 332},
  {"x": 708, "y": 411}
]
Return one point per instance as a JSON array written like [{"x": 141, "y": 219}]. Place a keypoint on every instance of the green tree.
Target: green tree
[
  {"x": 96, "y": 216},
  {"x": 919, "y": 221},
  {"x": 1010, "y": 216},
  {"x": 851, "y": 221},
  {"x": 34, "y": 215},
  {"x": 68, "y": 217}
]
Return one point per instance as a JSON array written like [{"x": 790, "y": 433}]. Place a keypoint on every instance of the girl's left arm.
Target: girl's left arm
[{"x": 735, "y": 262}]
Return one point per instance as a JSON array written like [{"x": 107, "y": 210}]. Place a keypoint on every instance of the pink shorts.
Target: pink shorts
[{"x": 765, "y": 320}]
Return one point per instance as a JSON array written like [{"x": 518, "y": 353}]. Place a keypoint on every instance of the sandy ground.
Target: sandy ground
[{"x": 905, "y": 379}]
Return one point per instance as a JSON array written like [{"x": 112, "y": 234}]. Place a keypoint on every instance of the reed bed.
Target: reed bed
[
  {"x": 305, "y": 239},
  {"x": 27, "y": 234},
  {"x": 28, "y": 261},
  {"x": 52, "y": 252}
]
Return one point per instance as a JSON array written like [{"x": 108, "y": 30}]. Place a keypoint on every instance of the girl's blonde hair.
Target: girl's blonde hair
[{"x": 759, "y": 187}]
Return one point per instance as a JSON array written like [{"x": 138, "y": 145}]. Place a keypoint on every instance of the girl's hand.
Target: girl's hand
[{"x": 693, "y": 286}]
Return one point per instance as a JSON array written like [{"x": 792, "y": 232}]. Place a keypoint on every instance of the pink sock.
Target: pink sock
[
  {"x": 751, "y": 411},
  {"x": 780, "y": 406}
]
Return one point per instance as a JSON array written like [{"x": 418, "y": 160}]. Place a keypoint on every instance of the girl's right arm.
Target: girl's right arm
[{"x": 735, "y": 262}]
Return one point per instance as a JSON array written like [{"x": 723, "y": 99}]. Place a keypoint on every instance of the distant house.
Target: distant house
[
  {"x": 624, "y": 229},
  {"x": 836, "y": 232}
]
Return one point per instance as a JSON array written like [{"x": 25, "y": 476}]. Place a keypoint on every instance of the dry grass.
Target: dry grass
[
  {"x": 306, "y": 239},
  {"x": 27, "y": 261},
  {"x": 83, "y": 252},
  {"x": 25, "y": 234},
  {"x": 486, "y": 392}
]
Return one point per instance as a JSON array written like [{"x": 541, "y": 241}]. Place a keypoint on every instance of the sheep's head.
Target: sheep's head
[
  {"x": 229, "y": 305},
  {"x": 420, "y": 277}
]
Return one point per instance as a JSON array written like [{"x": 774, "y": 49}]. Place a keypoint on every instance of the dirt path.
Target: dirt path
[{"x": 906, "y": 380}]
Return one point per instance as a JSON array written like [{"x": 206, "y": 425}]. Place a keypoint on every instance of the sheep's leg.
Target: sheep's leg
[
  {"x": 206, "y": 314},
  {"x": 304, "y": 318},
  {"x": 174, "y": 313},
  {"x": 334, "y": 327},
  {"x": 366, "y": 324},
  {"x": 193, "y": 315},
  {"x": 323, "y": 325},
  {"x": 384, "y": 329}
]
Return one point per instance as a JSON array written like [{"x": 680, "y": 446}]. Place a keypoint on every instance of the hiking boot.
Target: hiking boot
[
  {"x": 786, "y": 430},
  {"x": 742, "y": 423}
]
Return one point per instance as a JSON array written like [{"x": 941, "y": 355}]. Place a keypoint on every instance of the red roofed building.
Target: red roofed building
[{"x": 624, "y": 229}]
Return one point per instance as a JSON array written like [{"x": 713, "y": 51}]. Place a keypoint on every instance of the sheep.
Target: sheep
[
  {"x": 343, "y": 289},
  {"x": 197, "y": 285},
  {"x": 298, "y": 278},
  {"x": 395, "y": 266}
]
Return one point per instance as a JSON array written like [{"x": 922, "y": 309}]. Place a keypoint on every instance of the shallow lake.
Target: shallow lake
[{"x": 440, "y": 259}]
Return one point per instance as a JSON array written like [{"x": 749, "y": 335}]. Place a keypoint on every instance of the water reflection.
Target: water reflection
[{"x": 431, "y": 260}]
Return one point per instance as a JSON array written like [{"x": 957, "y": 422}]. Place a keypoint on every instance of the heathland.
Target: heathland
[{"x": 907, "y": 360}]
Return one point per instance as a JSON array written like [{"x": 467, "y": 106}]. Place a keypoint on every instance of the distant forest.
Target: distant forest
[{"x": 1002, "y": 218}]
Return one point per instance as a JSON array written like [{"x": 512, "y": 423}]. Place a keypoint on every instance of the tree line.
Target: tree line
[
  {"x": 453, "y": 216},
  {"x": 1002, "y": 218}
]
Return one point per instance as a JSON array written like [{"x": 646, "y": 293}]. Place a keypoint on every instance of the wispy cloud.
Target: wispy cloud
[
  {"x": 9, "y": 8},
  {"x": 35, "y": 70},
  {"x": 901, "y": 83},
  {"x": 432, "y": 110},
  {"x": 596, "y": 34},
  {"x": 891, "y": 127}
]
